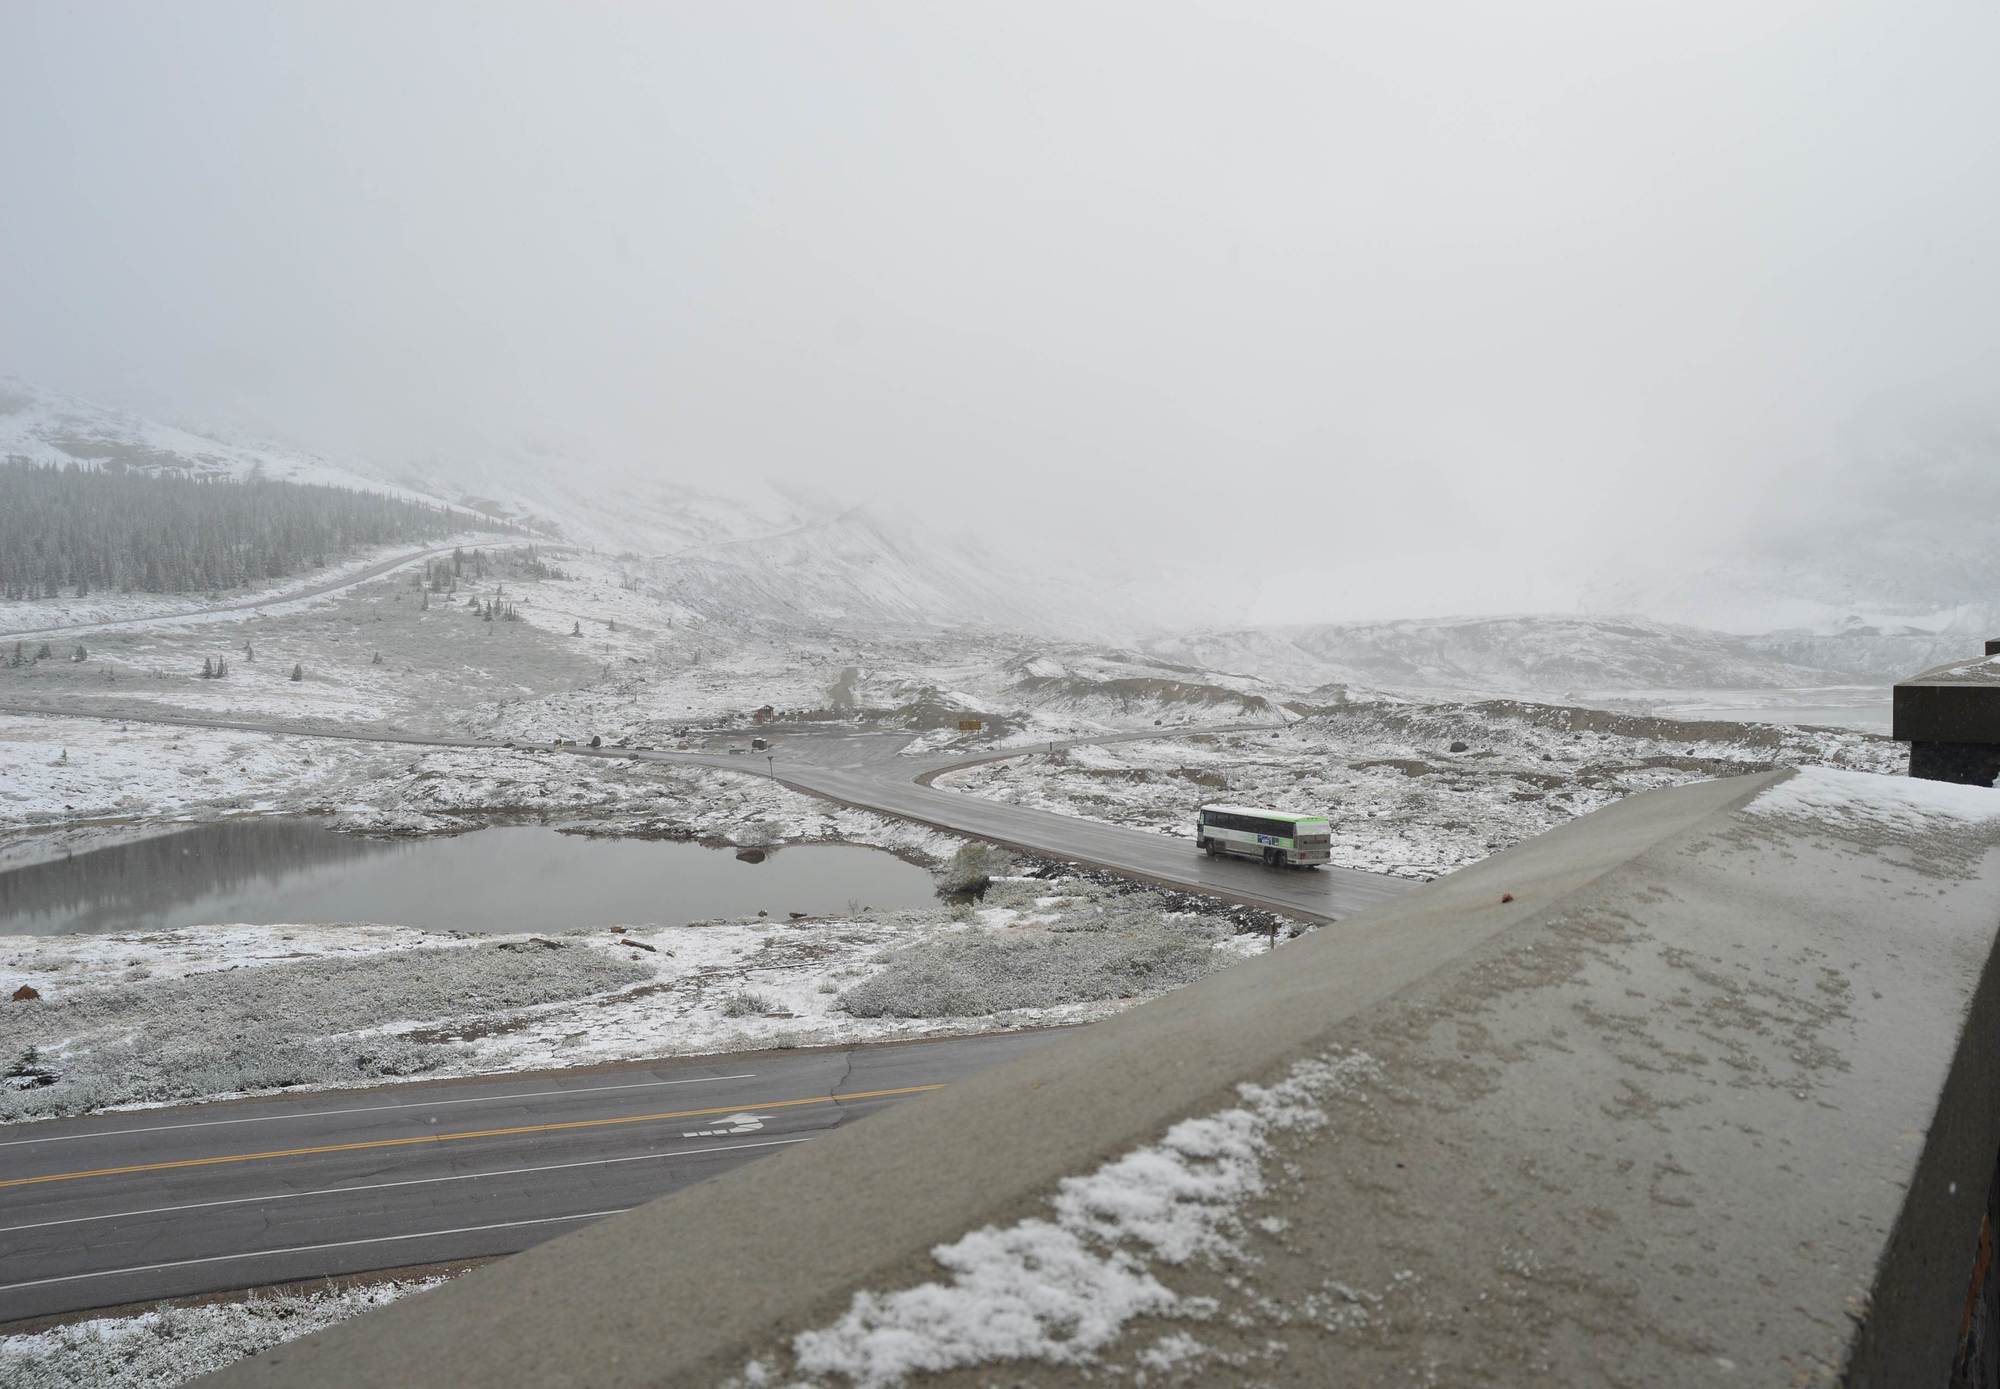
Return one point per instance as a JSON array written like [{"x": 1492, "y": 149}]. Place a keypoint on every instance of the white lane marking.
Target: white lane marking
[
  {"x": 307, "y": 1249},
  {"x": 408, "y": 1181},
  {"x": 377, "y": 1109},
  {"x": 738, "y": 1123}
]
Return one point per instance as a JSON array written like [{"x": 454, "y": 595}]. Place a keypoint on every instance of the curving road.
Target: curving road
[
  {"x": 1319, "y": 894},
  {"x": 876, "y": 780}
]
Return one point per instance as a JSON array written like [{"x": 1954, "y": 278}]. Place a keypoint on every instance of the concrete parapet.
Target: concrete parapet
[{"x": 1700, "y": 1089}]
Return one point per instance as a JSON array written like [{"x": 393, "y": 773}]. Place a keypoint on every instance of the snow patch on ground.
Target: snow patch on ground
[
  {"x": 1898, "y": 805},
  {"x": 1061, "y": 1289},
  {"x": 86, "y": 769},
  {"x": 1945, "y": 829},
  {"x": 172, "y": 1345}
]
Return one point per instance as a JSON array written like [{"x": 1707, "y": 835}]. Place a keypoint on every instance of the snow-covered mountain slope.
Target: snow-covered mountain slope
[
  {"x": 732, "y": 549},
  {"x": 646, "y": 512},
  {"x": 1865, "y": 572},
  {"x": 868, "y": 567},
  {"x": 1528, "y": 654},
  {"x": 735, "y": 547},
  {"x": 51, "y": 429},
  {"x": 1874, "y": 655}
]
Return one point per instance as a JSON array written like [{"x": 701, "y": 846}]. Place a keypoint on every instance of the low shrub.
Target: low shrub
[
  {"x": 973, "y": 868},
  {"x": 746, "y": 1004}
]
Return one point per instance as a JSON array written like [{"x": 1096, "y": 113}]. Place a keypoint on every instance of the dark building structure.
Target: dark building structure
[{"x": 1950, "y": 717}]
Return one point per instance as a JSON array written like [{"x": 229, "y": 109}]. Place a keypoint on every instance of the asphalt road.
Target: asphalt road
[
  {"x": 119, "y": 1208},
  {"x": 1324, "y": 894}
]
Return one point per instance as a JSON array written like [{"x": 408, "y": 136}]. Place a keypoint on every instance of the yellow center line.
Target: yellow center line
[{"x": 455, "y": 1137}]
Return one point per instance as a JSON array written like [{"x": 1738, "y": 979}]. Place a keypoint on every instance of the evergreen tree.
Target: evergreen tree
[
  {"x": 89, "y": 529},
  {"x": 298, "y": 671}
]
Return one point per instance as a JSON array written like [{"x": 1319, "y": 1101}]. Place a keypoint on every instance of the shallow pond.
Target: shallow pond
[{"x": 510, "y": 878}]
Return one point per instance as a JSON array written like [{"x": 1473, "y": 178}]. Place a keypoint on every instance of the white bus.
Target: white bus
[{"x": 1278, "y": 837}]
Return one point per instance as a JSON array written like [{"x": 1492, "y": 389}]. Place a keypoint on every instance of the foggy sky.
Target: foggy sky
[{"x": 1417, "y": 308}]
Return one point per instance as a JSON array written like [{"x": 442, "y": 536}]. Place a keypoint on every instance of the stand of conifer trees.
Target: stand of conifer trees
[{"x": 77, "y": 530}]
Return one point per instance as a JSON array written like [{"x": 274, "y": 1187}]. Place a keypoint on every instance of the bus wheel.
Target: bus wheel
[
  {"x": 1270, "y": 858},
  {"x": 1208, "y": 847}
]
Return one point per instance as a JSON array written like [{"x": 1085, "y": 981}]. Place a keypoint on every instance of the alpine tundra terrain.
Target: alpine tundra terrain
[
  {"x": 590, "y": 595},
  {"x": 457, "y": 670},
  {"x": 757, "y": 674}
]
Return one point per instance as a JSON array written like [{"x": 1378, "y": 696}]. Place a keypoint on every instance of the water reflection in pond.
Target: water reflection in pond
[{"x": 512, "y": 878}]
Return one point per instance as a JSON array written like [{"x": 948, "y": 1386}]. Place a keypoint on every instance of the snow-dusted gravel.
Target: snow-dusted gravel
[{"x": 1415, "y": 790}]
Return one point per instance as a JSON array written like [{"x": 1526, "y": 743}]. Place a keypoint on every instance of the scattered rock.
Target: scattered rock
[
  {"x": 750, "y": 855},
  {"x": 617, "y": 930},
  {"x": 1461, "y": 745},
  {"x": 796, "y": 916},
  {"x": 641, "y": 945},
  {"x": 1506, "y": 897},
  {"x": 27, "y": 993},
  {"x": 531, "y": 943}
]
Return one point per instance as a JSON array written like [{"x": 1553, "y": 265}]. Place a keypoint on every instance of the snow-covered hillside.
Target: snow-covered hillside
[
  {"x": 1904, "y": 577},
  {"x": 867, "y": 567},
  {"x": 51, "y": 429},
  {"x": 732, "y": 549},
  {"x": 1547, "y": 654},
  {"x": 650, "y": 513},
  {"x": 1895, "y": 568}
]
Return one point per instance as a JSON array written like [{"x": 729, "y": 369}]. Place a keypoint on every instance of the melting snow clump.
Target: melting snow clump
[{"x": 1060, "y": 1290}]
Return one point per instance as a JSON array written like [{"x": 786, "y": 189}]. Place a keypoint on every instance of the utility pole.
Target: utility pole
[{"x": 771, "y": 764}]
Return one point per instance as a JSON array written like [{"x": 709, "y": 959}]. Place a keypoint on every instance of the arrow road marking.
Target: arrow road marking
[{"x": 738, "y": 1123}]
